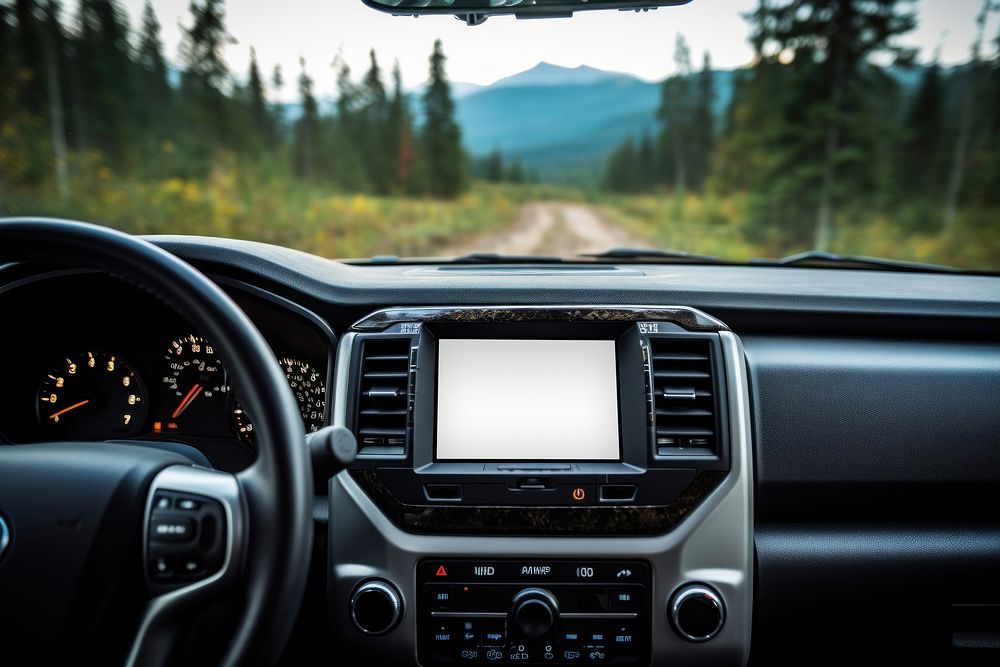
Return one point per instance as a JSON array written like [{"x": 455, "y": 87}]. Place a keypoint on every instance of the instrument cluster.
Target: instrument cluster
[{"x": 95, "y": 370}]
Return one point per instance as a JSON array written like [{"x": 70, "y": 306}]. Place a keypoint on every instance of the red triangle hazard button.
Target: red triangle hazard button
[{"x": 441, "y": 572}]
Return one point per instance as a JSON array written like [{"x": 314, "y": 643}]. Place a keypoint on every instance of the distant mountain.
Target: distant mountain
[{"x": 562, "y": 121}]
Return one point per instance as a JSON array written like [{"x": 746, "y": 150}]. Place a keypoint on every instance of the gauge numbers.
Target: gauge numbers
[
  {"x": 310, "y": 393},
  {"x": 92, "y": 395}
]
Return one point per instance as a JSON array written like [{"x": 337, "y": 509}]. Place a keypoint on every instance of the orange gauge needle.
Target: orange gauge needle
[
  {"x": 186, "y": 401},
  {"x": 55, "y": 415}
]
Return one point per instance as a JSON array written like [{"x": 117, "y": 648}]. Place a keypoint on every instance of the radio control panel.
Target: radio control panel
[{"x": 552, "y": 612}]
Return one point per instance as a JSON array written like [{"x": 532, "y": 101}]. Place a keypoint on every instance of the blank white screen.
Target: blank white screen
[{"x": 527, "y": 400}]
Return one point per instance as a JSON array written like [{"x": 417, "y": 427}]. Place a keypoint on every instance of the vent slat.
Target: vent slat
[
  {"x": 679, "y": 356},
  {"x": 681, "y": 374},
  {"x": 684, "y": 404},
  {"x": 382, "y": 393},
  {"x": 384, "y": 375}
]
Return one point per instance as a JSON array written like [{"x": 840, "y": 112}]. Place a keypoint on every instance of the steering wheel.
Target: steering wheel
[{"x": 112, "y": 549}]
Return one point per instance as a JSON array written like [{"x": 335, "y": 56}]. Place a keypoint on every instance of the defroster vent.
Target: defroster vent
[
  {"x": 383, "y": 396},
  {"x": 684, "y": 397}
]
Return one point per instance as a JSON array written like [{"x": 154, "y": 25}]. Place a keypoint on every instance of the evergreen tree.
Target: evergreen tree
[
  {"x": 703, "y": 126},
  {"x": 106, "y": 73},
  {"x": 261, "y": 121},
  {"x": 515, "y": 172},
  {"x": 442, "y": 137},
  {"x": 493, "y": 167},
  {"x": 831, "y": 43},
  {"x": 153, "y": 105},
  {"x": 675, "y": 115},
  {"x": 376, "y": 133},
  {"x": 277, "y": 110},
  {"x": 307, "y": 128},
  {"x": 205, "y": 81},
  {"x": 922, "y": 170}
]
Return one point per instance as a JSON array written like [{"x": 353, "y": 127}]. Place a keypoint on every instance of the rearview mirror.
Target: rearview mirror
[{"x": 475, "y": 12}]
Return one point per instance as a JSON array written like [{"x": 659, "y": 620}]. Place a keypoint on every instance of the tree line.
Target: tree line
[
  {"x": 820, "y": 129},
  {"x": 79, "y": 89}
]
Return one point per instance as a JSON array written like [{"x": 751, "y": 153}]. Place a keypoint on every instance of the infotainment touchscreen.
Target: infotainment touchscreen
[{"x": 527, "y": 400}]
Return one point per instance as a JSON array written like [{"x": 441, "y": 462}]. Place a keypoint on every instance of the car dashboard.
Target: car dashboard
[{"x": 732, "y": 464}]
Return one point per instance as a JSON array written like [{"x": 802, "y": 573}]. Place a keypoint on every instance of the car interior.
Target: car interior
[{"x": 218, "y": 451}]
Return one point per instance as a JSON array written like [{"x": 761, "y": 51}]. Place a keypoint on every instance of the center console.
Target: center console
[{"x": 543, "y": 485}]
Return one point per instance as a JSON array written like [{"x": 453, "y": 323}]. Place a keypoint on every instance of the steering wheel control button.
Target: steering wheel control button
[
  {"x": 376, "y": 608},
  {"x": 185, "y": 537},
  {"x": 172, "y": 530},
  {"x": 697, "y": 613}
]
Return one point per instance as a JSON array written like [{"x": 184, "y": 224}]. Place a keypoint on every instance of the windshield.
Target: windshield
[{"x": 729, "y": 128}]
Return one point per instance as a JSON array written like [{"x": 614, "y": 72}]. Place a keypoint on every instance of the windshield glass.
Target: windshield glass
[{"x": 731, "y": 128}]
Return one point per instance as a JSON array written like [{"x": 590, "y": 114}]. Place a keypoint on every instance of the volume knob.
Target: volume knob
[
  {"x": 697, "y": 613},
  {"x": 376, "y": 607},
  {"x": 534, "y": 612}
]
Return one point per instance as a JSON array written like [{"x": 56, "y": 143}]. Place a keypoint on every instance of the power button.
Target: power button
[{"x": 579, "y": 494}]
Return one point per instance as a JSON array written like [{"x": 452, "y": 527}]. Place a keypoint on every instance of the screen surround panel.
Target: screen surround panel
[{"x": 527, "y": 399}]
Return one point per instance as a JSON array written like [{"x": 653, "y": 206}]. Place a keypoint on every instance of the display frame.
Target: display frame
[{"x": 630, "y": 393}]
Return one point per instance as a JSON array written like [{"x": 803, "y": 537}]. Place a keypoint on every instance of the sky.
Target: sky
[{"x": 641, "y": 44}]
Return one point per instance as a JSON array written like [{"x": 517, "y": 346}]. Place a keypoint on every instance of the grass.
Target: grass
[
  {"x": 715, "y": 226},
  {"x": 277, "y": 208}
]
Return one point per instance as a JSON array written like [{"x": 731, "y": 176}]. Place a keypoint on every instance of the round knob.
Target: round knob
[
  {"x": 376, "y": 607},
  {"x": 534, "y": 612},
  {"x": 697, "y": 613}
]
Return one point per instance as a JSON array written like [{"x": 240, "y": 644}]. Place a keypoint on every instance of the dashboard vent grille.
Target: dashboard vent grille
[
  {"x": 684, "y": 396},
  {"x": 383, "y": 395}
]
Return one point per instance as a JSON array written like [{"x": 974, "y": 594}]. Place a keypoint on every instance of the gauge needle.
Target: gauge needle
[
  {"x": 55, "y": 415},
  {"x": 186, "y": 401}
]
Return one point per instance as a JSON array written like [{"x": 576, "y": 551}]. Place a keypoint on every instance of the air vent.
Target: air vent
[
  {"x": 383, "y": 396},
  {"x": 684, "y": 400}
]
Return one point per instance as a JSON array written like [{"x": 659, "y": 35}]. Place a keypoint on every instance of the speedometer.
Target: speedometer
[{"x": 196, "y": 387}]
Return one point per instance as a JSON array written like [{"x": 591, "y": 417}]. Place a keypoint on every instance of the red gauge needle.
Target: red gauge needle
[
  {"x": 55, "y": 415},
  {"x": 186, "y": 401}
]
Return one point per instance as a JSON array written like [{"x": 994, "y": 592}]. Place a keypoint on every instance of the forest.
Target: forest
[{"x": 822, "y": 146}]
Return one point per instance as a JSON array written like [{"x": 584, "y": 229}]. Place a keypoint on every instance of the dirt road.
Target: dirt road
[{"x": 551, "y": 229}]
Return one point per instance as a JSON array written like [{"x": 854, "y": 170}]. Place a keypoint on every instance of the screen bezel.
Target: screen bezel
[{"x": 628, "y": 364}]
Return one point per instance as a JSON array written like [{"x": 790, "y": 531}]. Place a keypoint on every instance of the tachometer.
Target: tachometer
[{"x": 91, "y": 396}]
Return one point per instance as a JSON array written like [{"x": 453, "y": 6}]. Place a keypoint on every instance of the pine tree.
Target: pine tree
[
  {"x": 675, "y": 115},
  {"x": 703, "y": 126},
  {"x": 153, "y": 93},
  {"x": 261, "y": 121},
  {"x": 831, "y": 43},
  {"x": 921, "y": 171},
  {"x": 106, "y": 73},
  {"x": 277, "y": 110},
  {"x": 493, "y": 167},
  {"x": 307, "y": 128},
  {"x": 205, "y": 81},
  {"x": 376, "y": 132},
  {"x": 442, "y": 137}
]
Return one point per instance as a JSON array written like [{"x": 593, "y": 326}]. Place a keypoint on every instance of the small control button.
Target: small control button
[
  {"x": 160, "y": 568},
  {"x": 571, "y": 654},
  {"x": 172, "y": 530},
  {"x": 493, "y": 634},
  {"x": 623, "y": 599},
  {"x": 571, "y": 633},
  {"x": 190, "y": 566},
  {"x": 595, "y": 654},
  {"x": 162, "y": 503},
  {"x": 444, "y": 634},
  {"x": 493, "y": 654},
  {"x": 579, "y": 494},
  {"x": 518, "y": 652},
  {"x": 624, "y": 635},
  {"x": 469, "y": 633},
  {"x": 188, "y": 504},
  {"x": 469, "y": 654}
]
